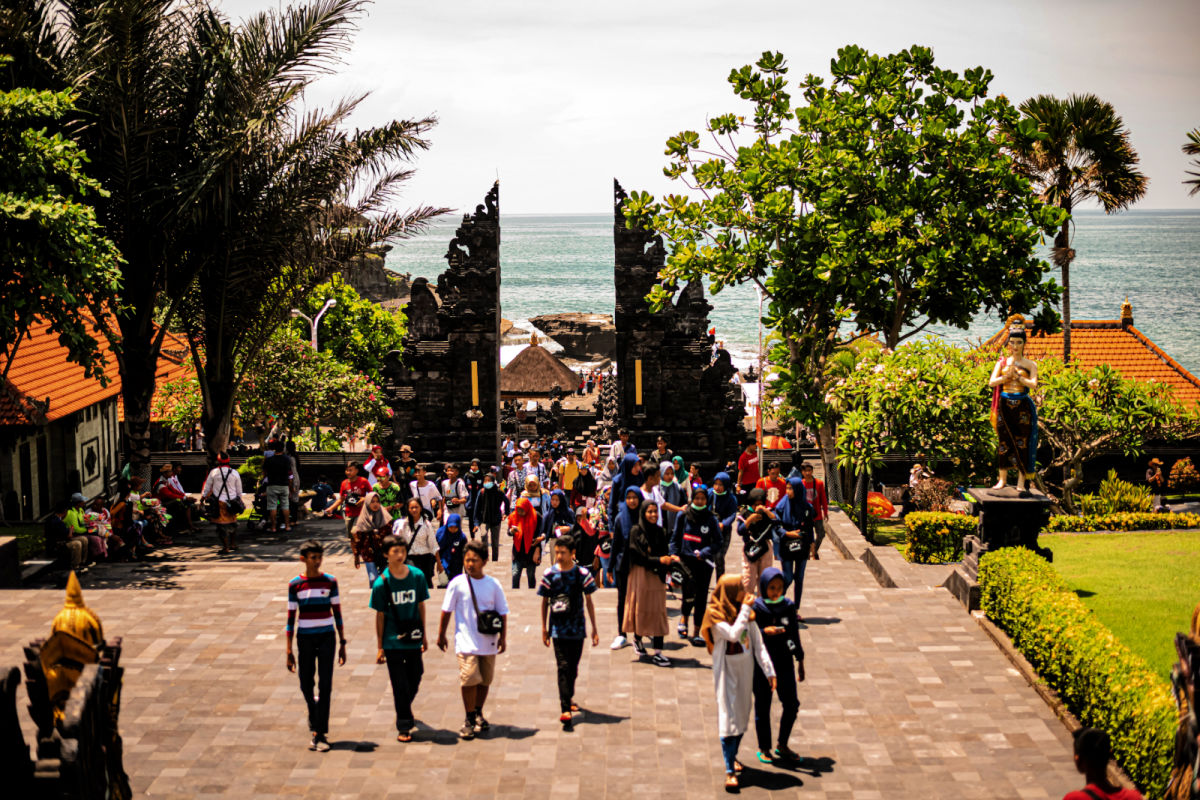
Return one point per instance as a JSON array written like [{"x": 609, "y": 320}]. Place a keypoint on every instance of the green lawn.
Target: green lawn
[
  {"x": 890, "y": 532},
  {"x": 30, "y": 541},
  {"x": 1143, "y": 586}
]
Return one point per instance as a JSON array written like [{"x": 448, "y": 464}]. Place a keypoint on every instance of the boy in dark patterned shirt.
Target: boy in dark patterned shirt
[
  {"x": 314, "y": 612},
  {"x": 565, "y": 590}
]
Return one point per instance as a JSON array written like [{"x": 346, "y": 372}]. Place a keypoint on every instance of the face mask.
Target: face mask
[
  {"x": 718, "y": 494},
  {"x": 698, "y": 508},
  {"x": 776, "y": 600},
  {"x": 488, "y": 484}
]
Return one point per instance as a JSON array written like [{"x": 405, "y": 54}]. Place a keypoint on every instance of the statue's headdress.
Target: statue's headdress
[{"x": 1016, "y": 327}]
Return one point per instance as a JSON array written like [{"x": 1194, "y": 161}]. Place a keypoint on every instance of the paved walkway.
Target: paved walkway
[{"x": 906, "y": 698}]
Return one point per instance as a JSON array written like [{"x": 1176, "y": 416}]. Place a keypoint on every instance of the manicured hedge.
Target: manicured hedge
[
  {"x": 935, "y": 537},
  {"x": 1120, "y": 521},
  {"x": 1098, "y": 678}
]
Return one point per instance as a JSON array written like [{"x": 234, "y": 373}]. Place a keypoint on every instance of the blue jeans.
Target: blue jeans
[
  {"x": 372, "y": 573},
  {"x": 729, "y": 749},
  {"x": 794, "y": 577},
  {"x": 606, "y": 575}
]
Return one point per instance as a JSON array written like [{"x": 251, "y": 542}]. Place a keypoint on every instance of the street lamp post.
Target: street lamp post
[{"x": 313, "y": 322}]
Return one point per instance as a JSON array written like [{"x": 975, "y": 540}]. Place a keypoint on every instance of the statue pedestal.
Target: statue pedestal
[{"x": 1007, "y": 518}]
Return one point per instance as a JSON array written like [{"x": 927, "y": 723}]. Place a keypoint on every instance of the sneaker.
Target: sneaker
[
  {"x": 320, "y": 743},
  {"x": 468, "y": 729},
  {"x": 481, "y": 724},
  {"x": 698, "y": 641},
  {"x": 312, "y": 745},
  {"x": 659, "y": 660},
  {"x": 639, "y": 648},
  {"x": 565, "y": 719},
  {"x": 619, "y": 642}
]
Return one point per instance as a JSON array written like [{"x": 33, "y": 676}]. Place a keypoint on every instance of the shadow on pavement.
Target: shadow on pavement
[
  {"x": 820, "y": 621},
  {"x": 772, "y": 781},
  {"x": 508, "y": 732},
  {"x": 357, "y": 747},
  {"x": 587, "y": 717}
]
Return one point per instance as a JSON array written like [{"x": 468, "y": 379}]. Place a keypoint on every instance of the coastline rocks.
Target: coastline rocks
[
  {"x": 585, "y": 337},
  {"x": 371, "y": 278}
]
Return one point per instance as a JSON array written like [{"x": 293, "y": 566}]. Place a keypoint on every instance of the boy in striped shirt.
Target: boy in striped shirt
[{"x": 315, "y": 596}]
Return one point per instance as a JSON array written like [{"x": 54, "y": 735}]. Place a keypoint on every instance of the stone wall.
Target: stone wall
[
  {"x": 453, "y": 333},
  {"x": 685, "y": 394}
]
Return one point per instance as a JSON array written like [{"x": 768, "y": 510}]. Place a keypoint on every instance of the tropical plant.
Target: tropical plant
[
  {"x": 882, "y": 200},
  {"x": 1115, "y": 496},
  {"x": 1192, "y": 148},
  {"x": 60, "y": 269},
  {"x": 177, "y": 404},
  {"x": 1074, "y": 151},
  {"x": 1083, "y": 412},
  {"x": 355, "y": 331},
  {"x": 933, "y": 537}
]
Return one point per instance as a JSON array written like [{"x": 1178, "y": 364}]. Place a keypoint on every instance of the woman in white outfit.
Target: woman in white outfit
[{"x": 735, "y": 645}]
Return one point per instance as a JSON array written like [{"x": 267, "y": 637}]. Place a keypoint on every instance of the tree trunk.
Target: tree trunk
[
  {"x": 1072, "y": 480},
  {"x": 1062, "y": 246},
  {"x": 217, "y": 418},
  {"x": 138, "y": 362},
  {"x": 827, "y": 442}
]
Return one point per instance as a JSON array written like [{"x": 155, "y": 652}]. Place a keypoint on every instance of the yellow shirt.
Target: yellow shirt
[{"x": 567, "y": 473}]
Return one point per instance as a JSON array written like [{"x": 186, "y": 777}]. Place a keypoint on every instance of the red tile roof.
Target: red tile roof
[
  {"x": 1117, "y": 343},
  {"x": 43, "y": 386}
]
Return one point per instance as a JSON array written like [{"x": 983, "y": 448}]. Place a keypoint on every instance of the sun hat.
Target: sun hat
[
  {"x": 405, "y": 449},
  {"x": 1154, "y": 462}
]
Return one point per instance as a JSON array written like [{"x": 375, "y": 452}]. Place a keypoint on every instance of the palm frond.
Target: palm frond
[{"x": 1192, "y": 148}]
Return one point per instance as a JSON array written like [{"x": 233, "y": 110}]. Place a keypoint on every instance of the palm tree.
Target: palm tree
[
  {"x": 1192, "y": 148},
  {"x": 1075, "y": 150}
]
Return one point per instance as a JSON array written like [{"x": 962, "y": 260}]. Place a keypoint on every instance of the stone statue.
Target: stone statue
[{"x": 1014, "y": 415}]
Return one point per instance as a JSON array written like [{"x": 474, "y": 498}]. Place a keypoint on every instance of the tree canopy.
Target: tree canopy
[{"x": 356, "y": 331}]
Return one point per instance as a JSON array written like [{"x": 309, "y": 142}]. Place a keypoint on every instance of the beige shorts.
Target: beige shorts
[{"x": 476, "y": 670}]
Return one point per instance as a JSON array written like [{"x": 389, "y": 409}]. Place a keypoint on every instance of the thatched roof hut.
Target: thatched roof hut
[{"x": 534, "y": 372}]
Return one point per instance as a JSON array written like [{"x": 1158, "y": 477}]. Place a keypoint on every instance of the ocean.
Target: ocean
[{"x": 565, "y": 263}]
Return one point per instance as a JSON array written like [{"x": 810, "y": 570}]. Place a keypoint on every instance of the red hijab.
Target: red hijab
[{"x": 523, "y": 527}]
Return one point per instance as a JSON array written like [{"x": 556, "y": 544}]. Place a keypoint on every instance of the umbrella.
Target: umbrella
[
  {"x": 879, "y": 506},
  {"x": 776, "y": 443}
]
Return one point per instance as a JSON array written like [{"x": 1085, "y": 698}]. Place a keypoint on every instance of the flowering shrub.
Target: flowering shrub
[
  {"x": 933, "y": 494},
  {"x": 1114, "y": 496},
  {"x": 1120, "y": 521},
  {"x": 1183, "y": 476},
  {"x": 935, "y": 537},
  {"x": 1099, "y": 679}
]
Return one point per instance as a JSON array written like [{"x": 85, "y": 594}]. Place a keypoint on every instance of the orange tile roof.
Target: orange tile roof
[
  {"x": 174, "y": 362},
  {"x": 43, "y": 386},
  {"x": 1116, "y": 343}
]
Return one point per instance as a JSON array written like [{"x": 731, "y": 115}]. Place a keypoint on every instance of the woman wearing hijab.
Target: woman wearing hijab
[
  {"x": 623, "y": 522},
  {"x": 725, "y": 508},
  {"x": 681, "y": 478},
  {"x": 797, "y": 519},
  {"x": 375, "y": 462},
  {"x": 369, "y": 529},
  {"x": 559, "y": 518},
  {"x": 776, "y": 620},
  {"x": 451, "y": 541},
  {"x": 605, "y": 479},
  {"x": 695, "y": 540},
  {"x": 416, "y": 529},
  {"x": 523, "y": 527},
  {"x": 735, "y": 645},
  {"x": 629, "y": 478},
  {"x": 536, "y": 495},
  {"x": 757, "y": 538},
  {"x": 646, "y": 595}
]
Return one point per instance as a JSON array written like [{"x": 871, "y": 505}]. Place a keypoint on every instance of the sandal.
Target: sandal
[
  {"x": 404, "y": 738},
  {"x": 785, "y": 753},
  {"x": 682, "y": 631},
  {"x": 738, "y": 766},
  {"x": 765, "y": 758},
  {"x": 731, "y": 783}
]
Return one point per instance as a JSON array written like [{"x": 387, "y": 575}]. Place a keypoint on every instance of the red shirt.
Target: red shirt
[
  {"x": 815, "y": 493},
  {"x": 358, "y": 489},
  {"x": 775, "y": 489},
  {"x": 1120, "y": 794},
  {"x": 748, "y": 469}
]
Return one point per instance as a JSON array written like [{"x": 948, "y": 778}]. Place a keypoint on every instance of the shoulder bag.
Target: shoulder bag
[
  {"x": 757, "y": 546},
  {"x": 489, "y": 623}
]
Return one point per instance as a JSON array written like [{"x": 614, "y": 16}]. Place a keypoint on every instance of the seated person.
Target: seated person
[
  {"x": 170, "y": 493},
  {"x": 63, "y": 542},
  {"x": 323, "y": 495}
]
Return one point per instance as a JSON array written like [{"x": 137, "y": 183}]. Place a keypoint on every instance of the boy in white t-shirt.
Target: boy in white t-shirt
[{"x": 467, "y": 594}]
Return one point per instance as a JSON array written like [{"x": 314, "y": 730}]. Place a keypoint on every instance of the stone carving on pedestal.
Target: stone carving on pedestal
[
  {"x": 668, "y": 382},
  {"x": 444, "y": 388}
]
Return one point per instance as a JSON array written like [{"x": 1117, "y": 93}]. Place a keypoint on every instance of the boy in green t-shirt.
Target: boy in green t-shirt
[
  {"x": 398, "y": 598},
  {"x": 390, "y": 494}
]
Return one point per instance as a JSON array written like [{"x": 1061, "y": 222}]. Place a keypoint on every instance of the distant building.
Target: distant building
[
  {"x": 1115, "y": 342},
  {"x": 534, "y": 372}
]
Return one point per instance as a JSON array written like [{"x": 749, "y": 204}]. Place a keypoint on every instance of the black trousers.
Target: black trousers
[
  {"x": 405, "y": 668},
  {"x": 622, "y": 585},
  {"x": 425, "y": 562},
  {"x": 695, "y": 591},
  {"x": 785, "y": 685},
  {"x": 316, "y": 656},
  {"x": 567, "y": 653}
]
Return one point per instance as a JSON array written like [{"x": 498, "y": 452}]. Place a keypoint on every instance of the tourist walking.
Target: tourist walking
[
  {"x": 646, "y": 594},
  {"x": 426, "y": 491},
  {"x": 451, "y": 540},
  {"x": 1093, "y": 751},
  {"x": 404, "y": 471},
  {"x": 622, "y": 525},
  {"x": 454, "y": 493},
  {"x": 566, "y": 590},
  {"x": 480, "y": 633},
  {"x": 814, "y": 492},
  {"x": 773, "y": 484},
  {"x": 474, "y": 478},
  {"x": 523, "y": 525},
  {"x": 777, "y": 623},
  {"x": 536, "y": 494},
  {"x": 559, "y": 519},
  {"x": 278, "y": 471},
  {"x": 398, "y": 598},
  {"x": 725, "y": 508},
  {"x": 491, "y": 506},
  {"x": 390, "y": 493},
  {"x": 314, "y": 612},
  {"x": 224, "y": 485},
  {"x": 695, "y": 540},
  {"x": 418, "y": 533},
  {"x": 748, "y": 467},
  {"x": 757, "y": 531},
  {"x": 796, "y": 519},
  {"x": 674, "y": 496},
  {"x": 629, "y": 477},
  {"x": 375, "y": 463},
  {"x": 351, "y": 494},
  {"x": 370, "y": 527},
  {"x": 591, "y": 453},
  {"x": 735, "y": 645}
]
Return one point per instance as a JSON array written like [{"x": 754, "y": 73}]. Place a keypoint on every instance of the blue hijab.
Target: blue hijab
[
  {"x": 795, "y": 513},
  {"x": 624, "y": 480},
  {"x": 554, "y": 517},
  {"x": 724, "y": 506},
  {"x": 761, "y": 606},
  {"x": 448, "y": 540}
]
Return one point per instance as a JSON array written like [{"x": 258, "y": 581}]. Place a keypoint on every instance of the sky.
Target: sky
[{"x": 556, "y": 98}]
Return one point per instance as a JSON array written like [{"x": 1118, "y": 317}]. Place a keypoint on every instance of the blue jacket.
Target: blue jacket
[
  {"x": 624, "y": 480},
  {"x": 798, "y": 514},
  {"x": 622, "y": 523},
  {"x": 553, "y": 518},
  {"x": 702, "y": 534},
  {"x": 724, "y": 506}
]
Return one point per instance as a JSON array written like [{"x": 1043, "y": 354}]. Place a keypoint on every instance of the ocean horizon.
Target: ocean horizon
[{"x": 552, "y": 263}]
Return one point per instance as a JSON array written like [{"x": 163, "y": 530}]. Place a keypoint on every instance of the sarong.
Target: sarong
[{"x": 1016, "y": 428}]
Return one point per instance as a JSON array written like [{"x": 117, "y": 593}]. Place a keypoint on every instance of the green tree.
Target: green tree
[
  {"x": 881, "y": 201},
  {"x": 1074, "y": 150},
  {"x": 1085, "y": 412},
  {"x": 1192, "y": 148},
  {"x": 356, "y": 331},
  {"x": 60, "y": 268}
]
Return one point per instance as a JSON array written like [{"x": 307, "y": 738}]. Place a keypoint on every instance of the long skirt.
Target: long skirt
[
  {"x": 645, "y": 604},
  {"x": 1016, "y": 428}
]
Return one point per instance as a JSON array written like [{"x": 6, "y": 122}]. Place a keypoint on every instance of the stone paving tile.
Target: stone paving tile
[{"x": 906, "y": 697}]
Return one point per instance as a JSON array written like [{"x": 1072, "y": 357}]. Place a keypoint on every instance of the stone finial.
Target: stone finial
[
  {"x": 1126, "y": 314},
  {"x": 533, "y": 340},
  {"x": 76, "y": 618}
]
